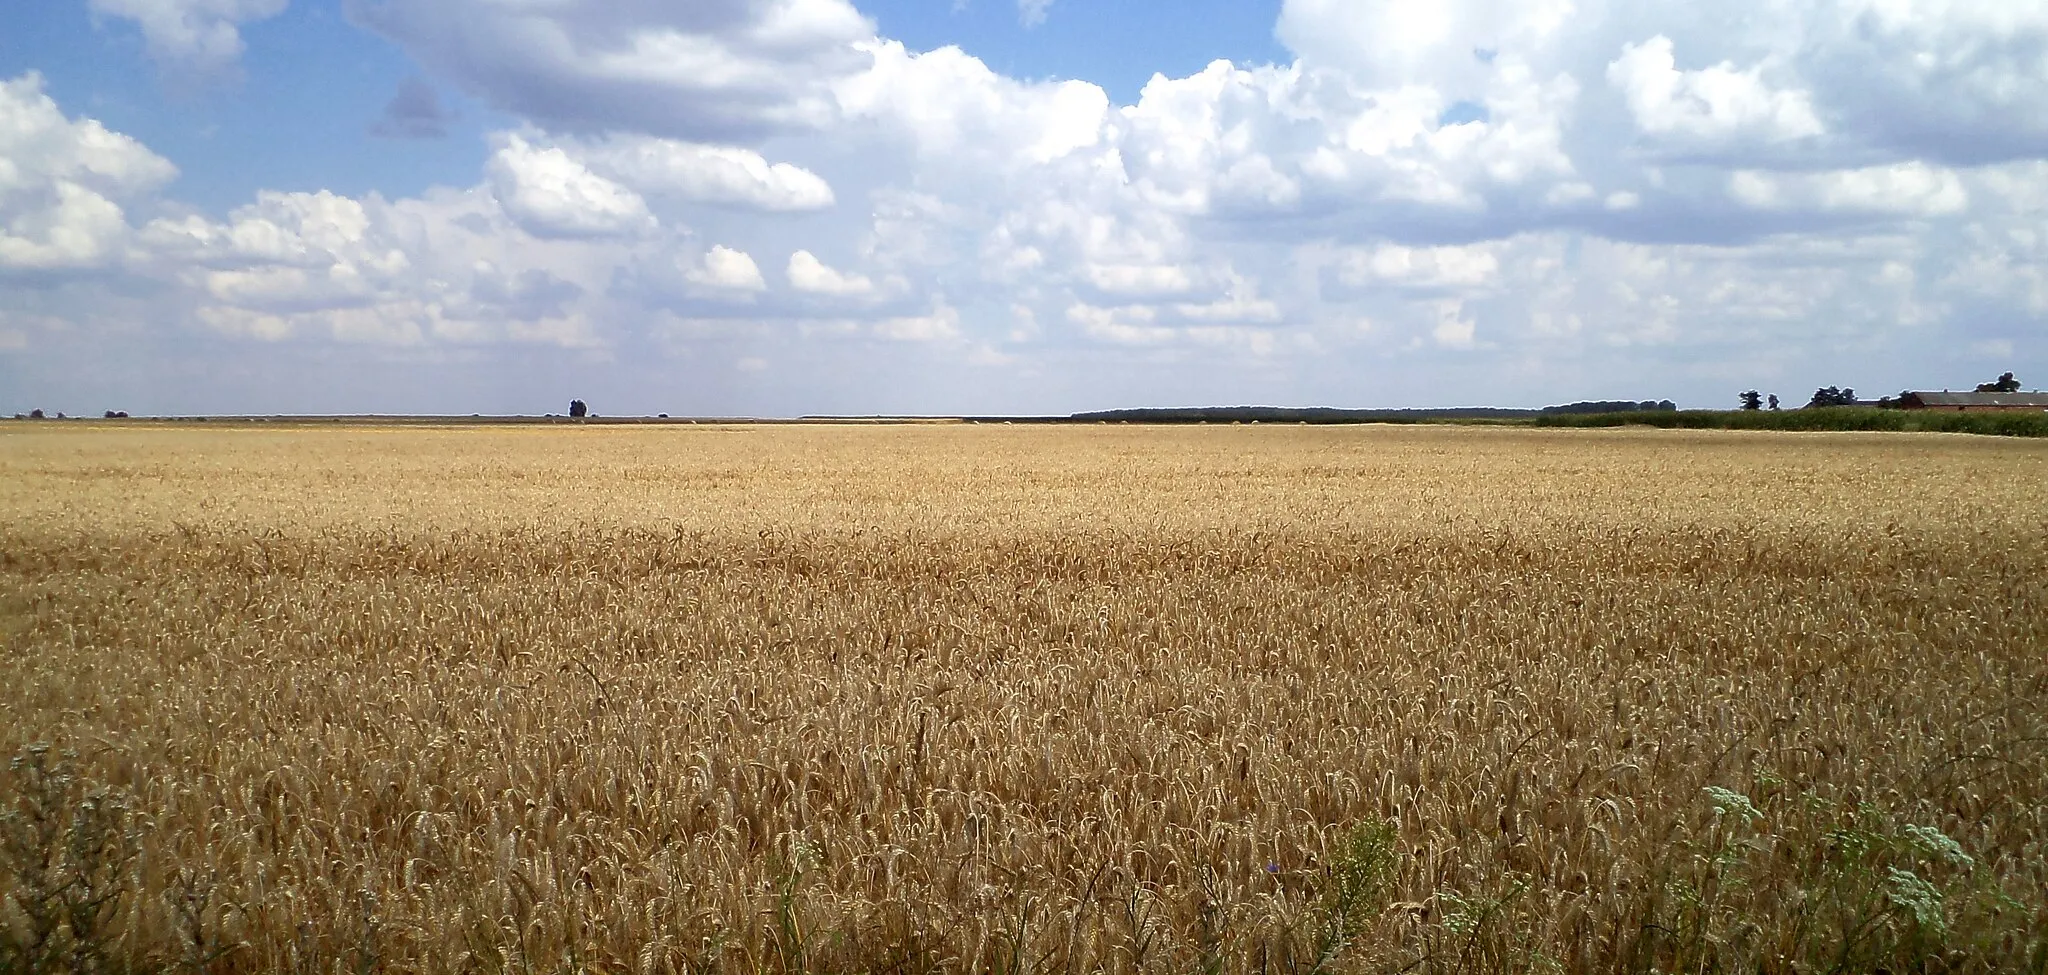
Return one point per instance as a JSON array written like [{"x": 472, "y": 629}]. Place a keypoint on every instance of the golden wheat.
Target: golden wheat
[{"x": 1012, "y": 698}]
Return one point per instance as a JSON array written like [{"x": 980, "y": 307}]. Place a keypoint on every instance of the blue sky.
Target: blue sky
[{"x": 778, "y": 207}]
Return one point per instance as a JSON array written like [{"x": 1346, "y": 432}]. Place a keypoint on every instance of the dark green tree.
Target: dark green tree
[
  {"x": 1752, "y": 400},
  {"x": 2005, "y": 384}
]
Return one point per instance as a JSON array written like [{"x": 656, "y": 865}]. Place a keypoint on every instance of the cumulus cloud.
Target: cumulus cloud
[
  {"x": 949, "y": 103},
  {"x": 60, "y": 180},
  {"x": 1447, "y": 46},
  {"x": 1453, "y": 330},
  {"x": 1709, "y": 107},
  {"x": 196, "y": 36},
  {"x": 552, "y": 194},
  {"x": 726, "y": 270},
  {"x": 807, "y": 273},
  {"x": 1288, "y": 141},
  {"x": 289, "y": 229},
  {"x": 724, "y": 175},
  {"x": 445, "y": 268}
]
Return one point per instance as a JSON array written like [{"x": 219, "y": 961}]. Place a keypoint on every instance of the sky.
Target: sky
[{"x": 789, "y": 207}]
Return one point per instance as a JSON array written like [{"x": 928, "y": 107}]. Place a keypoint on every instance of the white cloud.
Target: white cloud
[
  {"x": 60, "y": 179},
  {"x": 1708, "y": 107},
  {"x": 1453, "y": 330},
  {"x": 38, "y": 143},
  {"x": 198, "y": 36},
  {"x": 727, "y": 270},
  {"x": 550, "y": 194},
  {"x": 950, "y": 104},
  {"x": 1297, "y": 139},
  {"x": 76, "y": 228},
  {"x": 722, "y": 175},
  {"x": 1435, "y": 44},
  {"x": 299, "y": 229},
  {"x": 444, "y": 268},
  {"x": 807, "y": 273}
]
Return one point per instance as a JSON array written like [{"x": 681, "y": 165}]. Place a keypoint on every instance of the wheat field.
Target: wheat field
[{"x": 1020, "y": 699}]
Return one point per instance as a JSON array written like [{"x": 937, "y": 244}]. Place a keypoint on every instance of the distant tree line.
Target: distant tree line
[
  {"x": 39, "y": 415},
  {"x": 1611, "y": 406}
]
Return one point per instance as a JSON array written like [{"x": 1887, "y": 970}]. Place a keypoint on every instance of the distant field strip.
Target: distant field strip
[{"x": 1046, "y": 699}]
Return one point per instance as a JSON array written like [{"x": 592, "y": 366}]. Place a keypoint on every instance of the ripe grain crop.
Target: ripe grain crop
[{"x": 1010, "y": 699}]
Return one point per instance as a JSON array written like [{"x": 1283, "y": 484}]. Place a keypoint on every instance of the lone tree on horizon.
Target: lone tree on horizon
[
  {"x": 1752, "y": 400},
  {"x": 578, "y": 409}
]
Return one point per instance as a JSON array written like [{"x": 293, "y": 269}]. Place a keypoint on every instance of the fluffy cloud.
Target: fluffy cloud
[
  {"x": 552, "y": 194},
  {"x": 447, "y": 268},
  {"x": 725, "y": 270},
  {"x": 1446, "y": 46},
  {"x": 61, "y": 180},
  {"x": 950, "y": 104},
  {"x": 724, "y": 175},
  {"x": 1710, "y": 107},
  {"x": 284, "y": 229},
  {"x": 191, "y": 35},
  {"x": 807, "y": 273}
]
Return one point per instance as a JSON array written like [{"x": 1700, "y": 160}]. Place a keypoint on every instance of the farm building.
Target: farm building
[{"x": 1973, "y": 402}]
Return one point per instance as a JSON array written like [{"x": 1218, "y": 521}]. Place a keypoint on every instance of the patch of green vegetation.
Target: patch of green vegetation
[{"x": 1817, "y": 418}]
